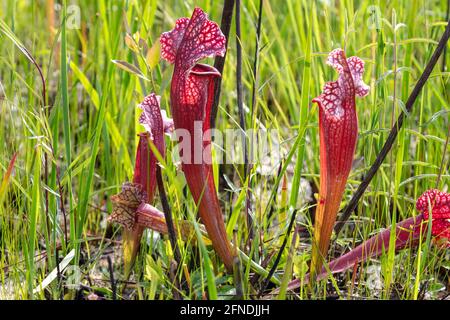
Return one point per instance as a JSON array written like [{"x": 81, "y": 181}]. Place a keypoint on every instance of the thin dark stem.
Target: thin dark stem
[
  {"x": 237, "y": 269},
  {"x": 444, "y": 55},
  {"x": 58, "y": 276},
  {"x": 254, "y": 89},
  {"x": 173, "y": 277},
  {"x": 394, "y": 131},
  {"x": 280, "y": 253},
  {"x": 61, "y": 198},
  {"x": 255, "y": 60},
  {"x": 47, "y": 114},
  {"x": 41, "y": 74},
  {"x": 30, "y": 57},
  {"x": 174, "y": 265},
  {"x": 240, "y": 102},
  {"x": 111, "y": 278},
  {"x": 394, "y": 103},
  {"x": 168, "y": 215},
  {"x": 273, "y": 204},
  {"x": 239, "y": 87},
  {"x": 219, "y": 62}
]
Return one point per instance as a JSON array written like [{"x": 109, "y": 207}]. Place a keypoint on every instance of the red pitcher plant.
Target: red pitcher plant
[
  {"x": 338, "y": 129},
  {"x": 144, "y": 180},
  {"x": 191, "y": 99}
]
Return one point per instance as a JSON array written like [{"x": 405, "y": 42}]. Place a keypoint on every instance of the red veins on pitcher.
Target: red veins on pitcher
[
  {"x": 338, "y": 129},
  {"x": 191, "y": 98},
  {"x": 439, "y": 202}
]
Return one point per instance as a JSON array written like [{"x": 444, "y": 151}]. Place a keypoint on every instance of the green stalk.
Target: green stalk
[
  {"x": 66, "y": 123},
  {"x": 306, "y": 72},
  {"x": 210, "y": 278},
  {"x": 33, "y": 219}
]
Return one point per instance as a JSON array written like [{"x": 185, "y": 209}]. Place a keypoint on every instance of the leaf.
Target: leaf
[
  {"x": 8, "y": 32},
  {"x": 143, "y": 45},
  {"x": 398, "y": 26},
  {"x": 154, "y": 274},
  {"x": 153, "y": 53},
  {"x": 129, "y": 68},
  {"x": 301, "y": 265},
  {"x": 420, "y": 177},
  {"x": 93, "y": 94},
  {"x": 400, "y": 103},
  {"x": 435, "y": 116},
  {"x": 53, "y": 275},
  {"x": 131, "y": 44},
  {"x": 187, "y": 230},
  {"x": 6, "y": 177}
]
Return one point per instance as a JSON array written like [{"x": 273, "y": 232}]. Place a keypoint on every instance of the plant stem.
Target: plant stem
[
  {"x": 255, "y": 60},
  {"x": 168, "y": 215},
  {"x": 280, "y": 253},
  {"x": 239, "y": 87},
  {"x": 240, "y": 102},
  {"x": 219, "y": 62}
]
